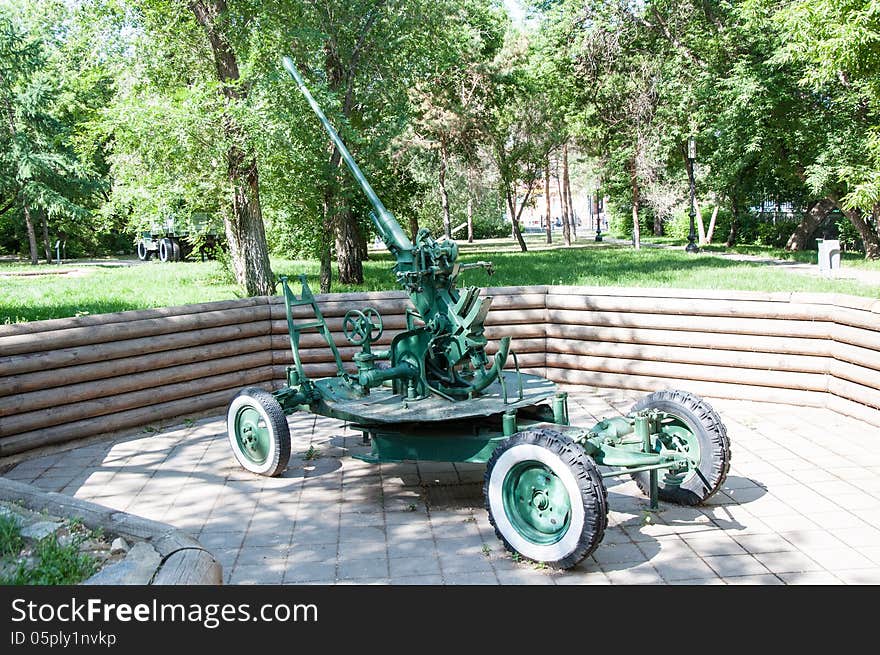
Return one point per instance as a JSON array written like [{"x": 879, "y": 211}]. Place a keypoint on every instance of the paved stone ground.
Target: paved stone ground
[{"x": 801, "y": 505}]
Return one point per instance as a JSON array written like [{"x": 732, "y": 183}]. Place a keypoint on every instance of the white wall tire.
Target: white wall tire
[
  {"x": 258, "y": 432},
  {"x": 569, "y": 471}
]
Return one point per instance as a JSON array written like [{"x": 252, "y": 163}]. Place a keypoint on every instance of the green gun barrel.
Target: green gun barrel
[{"x": 389, "y": 229}]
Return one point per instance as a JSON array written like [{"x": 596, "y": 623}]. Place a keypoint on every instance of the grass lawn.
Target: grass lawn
[{"x": 98, "y": 289}]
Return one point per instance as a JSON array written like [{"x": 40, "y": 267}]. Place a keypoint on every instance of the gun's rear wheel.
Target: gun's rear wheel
[
  {"x": 258, "y": 432},
  {"x": 692, "y": 427},
  {"x": 545, "y": 498}
]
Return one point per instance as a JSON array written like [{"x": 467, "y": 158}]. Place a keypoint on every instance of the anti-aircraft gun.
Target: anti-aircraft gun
[{"x": 435, "y": 394}]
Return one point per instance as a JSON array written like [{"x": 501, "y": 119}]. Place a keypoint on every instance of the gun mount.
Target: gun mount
[
  {"x": 435, "y": 395},
  {"x": 446, "y": 354}
]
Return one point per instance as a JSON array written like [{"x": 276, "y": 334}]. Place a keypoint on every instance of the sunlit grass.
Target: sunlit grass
[{"x": 104, "y": 289}]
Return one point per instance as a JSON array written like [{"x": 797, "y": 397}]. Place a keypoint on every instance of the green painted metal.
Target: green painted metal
[
  {"x": 536, "y": 502},
  {"x": 508, "y": 424},
  {"x": 398, "y": 447},
  {"x": 560, "y": 409},
  {"x": 252, "y": 434}
]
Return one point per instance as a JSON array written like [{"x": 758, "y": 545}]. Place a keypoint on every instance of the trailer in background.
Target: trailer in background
[{"x": 173, "y": 241}]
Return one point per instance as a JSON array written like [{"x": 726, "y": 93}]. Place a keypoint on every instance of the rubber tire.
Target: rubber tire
[
  {"x": 267, "y": 405},
  {"x": 176, "y": 255},
  {"x": 166, "y": 249},
  {"x": 142, "y": 251},
  {"x": 581, "y": 476},
  {"x": 705, "y": 423}
]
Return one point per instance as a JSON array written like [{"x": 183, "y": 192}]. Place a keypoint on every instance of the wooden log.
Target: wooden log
[
  {"x": 69, "y": 337},
  {"x": 860, "y": 393},
  {"x": 184, "y": 559},
  {"x": 133, "y": 418},
  {"x": 39, "y": 380},
  {"x": 729, "y": 374},
  {"x": 866, "y": 357},
  {"x": 869, "y": 339},
  {"x": 41, "y": 400},
  {"x": 742, "y": 342},
  {"x": 854, "y": 409},
  {"x": 669, "y": 292},
  {"x": 60, "y": 414},
  {"x": 56, "y": 359},
  {"x": 862, "y": 375},
  {"x": 772, "y": 327},
  {"x": 702, "y": 356},
  {"x": 688, "y": 307},
  {"x": 508, "y": 318},
  {"x": 700, "y": 387},
  {"x": 189, "y": 566},
  {"x": 127, "y": 316},
  {"x": 856, "y": 318}
]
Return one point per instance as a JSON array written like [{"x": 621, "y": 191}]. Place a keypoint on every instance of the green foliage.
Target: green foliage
[
  {"x": 11, "y": 540},
  {"x": 55, "y": 564}
]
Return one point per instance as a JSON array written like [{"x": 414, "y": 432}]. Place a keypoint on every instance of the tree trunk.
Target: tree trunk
[
  {"x": 245, "y": 232},
  {"x": 698, "y": 216},
  {"x": 32, "y": 235},
  {"x": 563, "y": 208},
  {"x": 547, "y": 216},
  {"x": 444, "y": 196},
  {"x": 351, "y": 269},
  {"x": 711, "y": 232},
  {"x": 809, "y": 222},
  {"x": 868, "y": 235},
  {"x": 470, "y": 218},
  {"x": 362, "y": 246},
  {"x": 636, "y": 200},
  {"x": 47, "y": 249},
  {"x": 514, "y": 219},
  {"x": 566, "y": 187},
  {"x": 326, "y": 273},
  {"x": 658, "y": 225},
  {"x": 734, "y": 221},
  {"x": 413, "y": 227}
]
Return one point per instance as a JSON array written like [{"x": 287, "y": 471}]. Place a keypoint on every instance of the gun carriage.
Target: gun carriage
[{"x": 436, "y": 394}]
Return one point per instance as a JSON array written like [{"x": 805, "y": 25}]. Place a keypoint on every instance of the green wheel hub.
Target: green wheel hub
[
  {"x": 536, "y": 502},
  {"x": 252, "y": 434},
  {"x": 676, "y": 437}
]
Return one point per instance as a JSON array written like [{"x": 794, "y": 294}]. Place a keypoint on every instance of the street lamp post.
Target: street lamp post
[
  {"x": 692, "y": 155},
  {"x": 595, "y": 208}
]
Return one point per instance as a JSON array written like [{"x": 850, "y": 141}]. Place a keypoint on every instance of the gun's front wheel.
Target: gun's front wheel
[
  {"x": 258, "y": 432},
  {"x": 692, "y": 427},
  {"x": 545, "y": 498}
]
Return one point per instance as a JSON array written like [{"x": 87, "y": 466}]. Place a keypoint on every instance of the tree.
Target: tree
[
  {"x": 520, "y": 129},
  {"x": 40, "y": 174}
]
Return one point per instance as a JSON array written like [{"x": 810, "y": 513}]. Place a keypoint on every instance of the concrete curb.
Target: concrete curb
[{"x": 183, "y": 560}]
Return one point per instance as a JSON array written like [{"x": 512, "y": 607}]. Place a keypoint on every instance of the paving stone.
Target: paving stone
[
  {"x": 357, "y": 569},
  {"x": 761, "y": 579},
  {"x": 735, "y": 565},
  {"x": 414, "y": 566},
  {"x": 418, "y": 580},
  {"x": 323, "y": 572},
  {"x": 810, "y": 578},
  {"x": 788, "y": 562}
]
